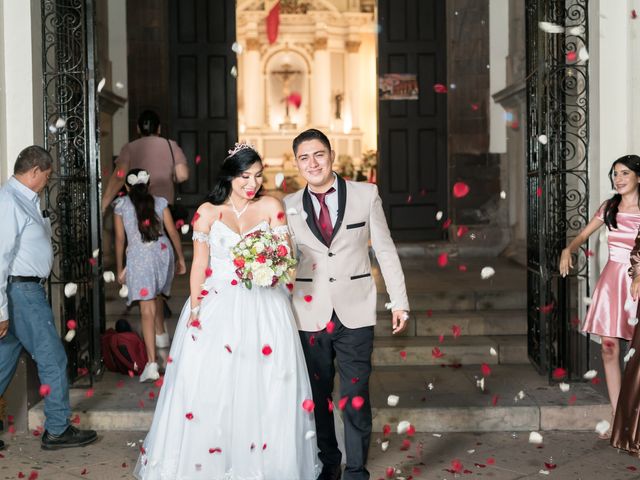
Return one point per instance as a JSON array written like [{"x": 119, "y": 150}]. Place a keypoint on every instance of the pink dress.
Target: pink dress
[{"x": 607, "y": 316}]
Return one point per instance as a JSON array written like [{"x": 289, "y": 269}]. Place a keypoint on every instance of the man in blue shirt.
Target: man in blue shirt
[{"x": 26, "y": 319}]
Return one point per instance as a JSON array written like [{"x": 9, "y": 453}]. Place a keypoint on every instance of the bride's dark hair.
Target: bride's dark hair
[
  {"x": 233, "y": 166},
  {"x": 632, "y": 162}
]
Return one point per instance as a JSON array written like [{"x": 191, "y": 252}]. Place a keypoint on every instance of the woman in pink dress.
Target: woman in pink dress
[{"x": 612, "y": 307}]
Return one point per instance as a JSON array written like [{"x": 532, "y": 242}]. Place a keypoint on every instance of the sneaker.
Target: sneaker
[
  {"x": 71, "y": 437},
  {"x": 150, "y": 373}
]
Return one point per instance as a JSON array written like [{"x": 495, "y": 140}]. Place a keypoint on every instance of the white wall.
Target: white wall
[
  {"x": 498, "y": 52},
  {"x": 20, "y": 80},
  {"x": 118, "y": 55}
]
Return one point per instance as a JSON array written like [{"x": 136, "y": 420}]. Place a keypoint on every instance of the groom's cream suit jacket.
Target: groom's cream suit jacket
[{"x": 339, "y": 277}]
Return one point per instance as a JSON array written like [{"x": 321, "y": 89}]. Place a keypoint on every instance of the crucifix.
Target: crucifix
[{"x": 286, "y": 73}]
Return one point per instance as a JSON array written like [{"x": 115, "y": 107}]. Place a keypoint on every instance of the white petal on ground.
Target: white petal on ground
[
  {"x": 437, "y": 435},
  {"x": 544, "y": 472},
  {"x": 542, "y": 139},
  {"x": 279, "y": 178},
  {"x": 472, "y": 451},
  {"x": 487, "y": 272},
  {"x": 109, "y": 276},
  {"x": 535, "y": 437},
  {"x": 439, "y": 215},
  {"x": 70, "y": 289},
  {"x": 503, "y": 195},
  {"x": 564, "y": 387},
  {"x": 124, "y": 291},
  {"x": 602, "y": 427},
  {"x": 184, "y": 228},
  {"x": 629, "y": 354},
  {"x": 384, "y": 445},
  {"x": 549, "y": 27},
  {"x": 633, "y": 321},
  {"x": 70, "y": 335},
  {"x": 95, "y": 253},
  {"x": 480, "y": 384},
  {"x": 493, "y": 352},
  {"x": 590, "y": 374},
  {"x": 392, "y": 400},
  {"x": 430, "y": 386},
  {"x": 403, "y": 426},
  {"x": 521, "y": 394}
]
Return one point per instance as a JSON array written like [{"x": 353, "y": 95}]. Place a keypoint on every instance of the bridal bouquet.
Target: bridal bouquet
[{"x": 262, "y": 258}]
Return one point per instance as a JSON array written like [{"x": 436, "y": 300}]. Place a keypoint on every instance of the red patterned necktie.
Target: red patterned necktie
[{"x": 323, "y": 221}]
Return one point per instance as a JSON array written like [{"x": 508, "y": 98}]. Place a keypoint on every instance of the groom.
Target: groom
[{"x": 334, "y": 298}]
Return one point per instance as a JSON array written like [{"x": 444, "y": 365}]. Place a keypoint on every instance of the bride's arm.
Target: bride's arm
[
  {"x": 203, "y": 219},
  {"x": 278, "y": 219}
]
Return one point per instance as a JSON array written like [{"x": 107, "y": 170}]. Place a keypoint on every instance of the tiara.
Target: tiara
[{"x": 240, "y": 146}]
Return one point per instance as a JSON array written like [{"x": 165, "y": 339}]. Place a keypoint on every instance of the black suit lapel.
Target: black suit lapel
[
  {"x": 342, "y": 202},
  {"x": 307, "y": 204}
]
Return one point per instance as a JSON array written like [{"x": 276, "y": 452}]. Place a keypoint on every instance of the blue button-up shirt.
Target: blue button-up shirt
[{"x": 25, "y": 239}]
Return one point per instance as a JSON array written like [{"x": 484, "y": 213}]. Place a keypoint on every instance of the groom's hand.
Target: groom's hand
[
  {"x": 4, "y": 327},
  {"x": 399, "y": 321}
]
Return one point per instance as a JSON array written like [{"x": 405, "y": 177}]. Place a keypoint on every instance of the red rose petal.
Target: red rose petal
[
  {"x": 411, "y": 431},
  {"x": 84, "y": 471},
  {"x": 290, "y": 286},
  {"x": 204, "y": 293},
  {"x": 559, "y": 373},
  {"x": 140, "y": 404},
  {"x": 12, "y": 429},
  {"x": 308, "y": 405},
  {"x": 456, "y": 330},
  {"x": 45, "y": 390},
  {"x": 131, "y": 374},
  {"x": 308, "y": 298},
  {"x": 228, "y": 348},
  {"x": 93, "y": 261},
  {"x": 462, "y": 268},
  {"x": 189, "y": 416},
  {"x": 475, "y": 107},
  {"x": 441, "y": 339},
  {"x": 120, "y": 384},
  {"x": 539, "y": 192},
  {"x": 386, "y": 429},
  {"x": 456, "y": 466},
  {"x": 330, "y": 327},
  {"x": 76, "y": 420},
  {"x": 439, "y": 88},
  {"x": 494, "y": 399},
  {"x": 208, "y": 272},
  {"x": 266, "y": 350},
  {"x": 20, "y": 475},
  {"x": 460, "y": 189},
  {"x": 144, "y": 292},
  {"x": 357, "y": 402},
  {"x": 159, "y": 382},
  {"x": 179, "y": 223},
  {"x": 486, "y": 369},
  {"x": 447, "y": 223},
  {"x": 124, "y": 465},
  {"x": 406, "y": 444},
  {"x": 215, "y": 450},
  {"x": 443, "y": 259},
  {"x": 355, "y": 380},
  {"x": 280, "y": 216},
  {"x": 89, "y": 393},
  {"x": 195, "y": 323},
  {"x": 632, "y": 468},
  {"x": 343, "y": 403},
  {"x": 403, "y": 355},
  {"x": 462, "y": 229},
  {"x": 82, "y": 371},
  {"x": 550, "y": 466},
  {"x": 71, "y": 324},
  {"x": 264, "y": 446},
  {"x": 491, "y": 461},
  {"x": 198, "y": 159},
  {"x": 234, "y": 282},
  {"x": 152, "y": 395},
  {"x": 572, "y": 399},
  {"x": 330, "y": 405},
  {"x": 436, "y": 353}
]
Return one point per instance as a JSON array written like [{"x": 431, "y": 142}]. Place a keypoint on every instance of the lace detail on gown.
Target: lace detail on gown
[
  {"x": 200, "y": 237},
  {"x": 238, "y": 396},
  {"x": 281, "y": 230}
]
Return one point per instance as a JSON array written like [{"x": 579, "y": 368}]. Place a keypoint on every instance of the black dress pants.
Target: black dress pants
[{"x": 352, "y": 349}]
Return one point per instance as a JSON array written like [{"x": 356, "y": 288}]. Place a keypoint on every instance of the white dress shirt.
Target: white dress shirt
[
  {"x": 25, "y": 243},
  {"x": 331, "y": 200}
]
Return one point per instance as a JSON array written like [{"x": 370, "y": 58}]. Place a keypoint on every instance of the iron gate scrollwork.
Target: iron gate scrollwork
[
  {"x": 73, "y": 194},
  {"x": 557, "y": 180}
]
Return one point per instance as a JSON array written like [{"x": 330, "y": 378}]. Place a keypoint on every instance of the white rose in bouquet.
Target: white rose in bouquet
[
  {"x": 259, "y": 247},
  {"x": 263, "y": 276}
]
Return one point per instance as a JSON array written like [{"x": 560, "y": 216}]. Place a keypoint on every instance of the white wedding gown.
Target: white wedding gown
[{"x": 226, "y": 410}]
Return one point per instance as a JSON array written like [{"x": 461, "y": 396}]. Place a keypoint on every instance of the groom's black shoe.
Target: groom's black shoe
[
  {"x": 71, "y": 437},
  {"x": 330, "y": 472}
]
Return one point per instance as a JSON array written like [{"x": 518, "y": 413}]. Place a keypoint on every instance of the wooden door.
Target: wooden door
[
  {"x": 412, "y": 134},
  {"x": 203, "y": 97}
]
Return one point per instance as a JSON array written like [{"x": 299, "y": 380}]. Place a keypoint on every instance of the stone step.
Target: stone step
[
  {"x": 450, "y": 300},
  {"x": 465, "y": 350},
  {"x": 454, "y": 403},
  {"x": 480, "y": 322}
]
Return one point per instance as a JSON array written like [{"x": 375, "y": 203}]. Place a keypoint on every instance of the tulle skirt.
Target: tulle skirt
[{"x": 231, "y": 406}]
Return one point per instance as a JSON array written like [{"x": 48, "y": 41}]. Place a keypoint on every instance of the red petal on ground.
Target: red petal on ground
[
  {"x": 343, "y": 403},
  {"x": 390, "y": 472},
  {"x": 140, "y": 404},
  {"x": 234, "y": 282},
  {"x": 631, "y": 468},
  {"x": 204, "y": 293},
  {"x": 82, "y": 371},
  {"x": 330, "y": 405},
  {"x": 189, "y": 416},
  {"x": 152, "y": 395},
  {"x": 159, "y": 382},
  {"x": 460, "y": 189},
  {"x": 20, "y": 475},
  {"x": 89, "y": 393},
  {"x": 331, "y": 326},
  {"x": 456, "y": 466},
  {"x": 357, "y": 402},
  {"x": 124, "y": 465},
  {"x": 462, "y": 229},
  {"x": 266, "y": 350},
  {"x": 403, "y": 355},
  {"x": 131, "y": 373},
  {"x": 480, "y": 465},
  {"x": 406, "y": 444},
  {"x": 436, "y": 353},
  {"x": 308, "y": 298},
  {"x": 462, "y": 268},
  {"x": 491, "y": 461},
  {"x": 208, "y": 272},
  {"x": 416, "y": 471},
  {"x": 76, "y": 420},
  {"x": 572, "y": 399},
  {"x": 411, "y": 431},
  {"x": 71, "y": 324},
  {"x": 144, "y": 292},
  {"x": 215, "y": 450},
  {"x": 559, "y": 373},
  {"x": 595, "y": 381},
  {"x": 45, "y": 390},
  {"x": 264, "y": 446},
  {"x": 228, "y": 348},
  {"x": 169, "y": 359},
  {"x": 494, "y": 400},
  {"x": 196, "y": 323},
  {"x": 443, "y": 259},
  {"x": 386, "y": 430},
  {"x": 12, "y": 429},
  {"x": 84, "y": 471},
  {"x": 120, "y": 384},
  {"x": 441, "y": 339},
  {"x": 475, "y": 107},
  {"x": 447, "y": 223},
  {"x": 550, "y": 466},
  {"x": 456, "y": 330},
  {"x": 486, "y": 369},
  {"x": 308, "y": 405}
]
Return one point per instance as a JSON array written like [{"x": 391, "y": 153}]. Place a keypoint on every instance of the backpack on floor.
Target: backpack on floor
[{"x": 123, "y": 352}]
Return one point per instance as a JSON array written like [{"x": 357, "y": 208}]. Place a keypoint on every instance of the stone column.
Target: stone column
[
  {"x": 321, "y": 84},
  {"x": 352, "y": 82},
  {"x": 253, "y": 85}
]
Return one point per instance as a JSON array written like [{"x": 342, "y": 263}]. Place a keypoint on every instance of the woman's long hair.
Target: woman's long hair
[
  {"x": 632, "y": 162},
  {"x": 232, "y": 167},
  {"x": 144, "y": 204}
]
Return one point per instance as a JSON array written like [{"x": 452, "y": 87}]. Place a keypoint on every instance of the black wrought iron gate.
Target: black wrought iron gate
[
  {"x": 73, "y": 195},
  {"x": 557, "y": 179}
]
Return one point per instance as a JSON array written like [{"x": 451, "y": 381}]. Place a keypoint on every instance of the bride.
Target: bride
[{"x": 235, "y": 403}]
